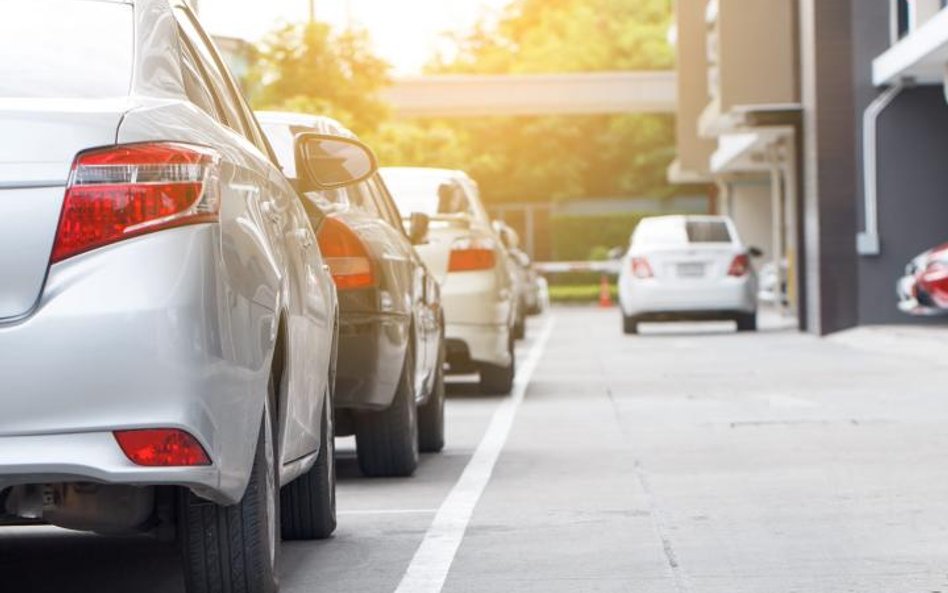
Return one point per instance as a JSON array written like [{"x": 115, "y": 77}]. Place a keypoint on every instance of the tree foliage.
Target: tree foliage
[
  {"x": 544, "y": 158},
  {"x": 310, "y": 68}
]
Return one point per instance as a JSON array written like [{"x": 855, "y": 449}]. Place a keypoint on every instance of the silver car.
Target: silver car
[
  {"x": 688, "y": 267},
  {"x": 167, "y": 325}
]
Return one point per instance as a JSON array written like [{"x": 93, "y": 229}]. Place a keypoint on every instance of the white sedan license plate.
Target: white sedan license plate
[{"x": 691, "y": 270}]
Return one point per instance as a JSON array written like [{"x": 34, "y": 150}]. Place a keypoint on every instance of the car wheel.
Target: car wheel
[
  {"x": 498, "y": 380},
  {"x": 520, "y": 328},
  {"x": 630, "y": 325},
  {"x": 431, "y": 415},
  {"x": 231, "y": 549},
  {"x": 387, "y": 440},
  {"x": 308, "y": 503},
  {"x": 747, "y": 322}
]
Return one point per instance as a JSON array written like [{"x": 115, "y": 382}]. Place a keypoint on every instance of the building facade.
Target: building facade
[{"x": 835, "y": 111}]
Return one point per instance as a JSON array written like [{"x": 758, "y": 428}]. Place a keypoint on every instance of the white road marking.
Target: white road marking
[{"x": 433, "y": 559}]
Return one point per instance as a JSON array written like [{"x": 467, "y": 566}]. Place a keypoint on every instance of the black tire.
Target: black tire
[
  {"x": 387, "y": 440},
  {"x": 234, "y": 549},
  {"x": 630, "y": 325},
  {"x": 746, "y": 322},
  {"x": 308, "y": 503},
  {"x": 520, "y": 323},
  {"x": 431, "y": 415},
  {"x": 498, "y": 380}
]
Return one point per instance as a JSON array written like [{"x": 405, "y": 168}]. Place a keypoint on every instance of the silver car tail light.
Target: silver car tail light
[{"x": 125, "y": 191}]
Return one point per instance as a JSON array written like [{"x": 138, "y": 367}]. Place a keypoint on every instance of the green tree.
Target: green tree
[
  {"x": 549, "y": 158},
  {"x": 310, "y": 68}
]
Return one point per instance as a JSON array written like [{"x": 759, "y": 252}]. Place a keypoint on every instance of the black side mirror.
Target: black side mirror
[
  {"x": 418, "y": 227},
  {"x": 755, "y": 252},
  {"x": 326, "y": 162}
]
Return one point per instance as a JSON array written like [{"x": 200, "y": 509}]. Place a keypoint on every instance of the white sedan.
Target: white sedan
[
  {"x": 467, "y": 257},
  {"x": 687, "y": 267}
]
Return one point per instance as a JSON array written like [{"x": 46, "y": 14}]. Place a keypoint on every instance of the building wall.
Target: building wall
[
  {"x": 913, "y": 199},
  {"x": 829, "y": 164},
  {"x": 912, "y": 176},
  {"x": 750, "y": 208},
  {"x": 757, "y": 52},
  {"x": 694, "y": 153}
]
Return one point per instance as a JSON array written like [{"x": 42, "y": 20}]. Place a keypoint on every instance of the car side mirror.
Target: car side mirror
[
  {"x": 755, "y": 252},
  {"x": 325, "y": 162},
  {"x": 418, "y": 227}
]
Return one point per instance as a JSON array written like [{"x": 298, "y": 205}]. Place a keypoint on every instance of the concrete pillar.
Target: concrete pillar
[{"x": 826, "y": 46}]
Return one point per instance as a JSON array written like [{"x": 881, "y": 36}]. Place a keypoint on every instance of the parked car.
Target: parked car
[
  {"x": 923, "y": 290},
  {"x": 532, "y": 291},
  {"x": 528, "y": 279},
  {"x": 468, "y": 260},
  {"x": 166, "y": 322},
  {"x": 687, "y": 267},
  {"x": 390, "y": 377},
  {"x": 519, "y": 274}
]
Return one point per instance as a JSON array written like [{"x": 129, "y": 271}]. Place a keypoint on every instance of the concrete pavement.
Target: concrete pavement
[{"x": 687, "y": 459}]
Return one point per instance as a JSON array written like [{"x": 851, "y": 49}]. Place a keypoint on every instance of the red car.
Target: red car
[{"x": 924, "y": 288}]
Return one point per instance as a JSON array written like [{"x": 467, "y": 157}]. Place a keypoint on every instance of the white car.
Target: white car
[
  {"x": 688, "y": 267},
  {"x": 468, "y": 259}
]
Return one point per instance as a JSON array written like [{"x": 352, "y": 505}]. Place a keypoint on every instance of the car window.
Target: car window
[
  {"x": 678, "y": 231},
  {"x": 281, "y": 138},
  {"x": 660, "y": 231},
  {"x": 384, "y": 201},
  {"x": 215, "y": 76},
  {"x": 708, "y": 231},
  {"x": 431, "y": 195},
  {"x": 195, "y": 83},
  {"x": 66, "y": 49},
  {"x": 361, "y": 198}
]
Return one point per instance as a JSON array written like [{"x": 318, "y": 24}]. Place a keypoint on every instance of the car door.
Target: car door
[{"x": 307, "y": 301}]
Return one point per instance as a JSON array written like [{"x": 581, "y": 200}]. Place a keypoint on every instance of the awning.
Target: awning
[{"x": 922, "y": 55}]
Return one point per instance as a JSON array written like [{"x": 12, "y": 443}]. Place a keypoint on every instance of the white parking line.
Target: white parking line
[{"x": 432, "y": 561}]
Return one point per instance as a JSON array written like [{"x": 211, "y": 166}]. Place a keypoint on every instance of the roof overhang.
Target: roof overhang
[
  {"x": 680, "y": 176},
  {"x": 922, "y": 55},
  {"x": 748, "y": 151}
]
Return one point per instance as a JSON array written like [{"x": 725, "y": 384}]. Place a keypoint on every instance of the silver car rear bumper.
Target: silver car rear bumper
[{"x": 145, "y": 334}]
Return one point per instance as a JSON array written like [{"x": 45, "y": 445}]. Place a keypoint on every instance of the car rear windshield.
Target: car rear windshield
[
  {"x": 66, "y": 49},
  {"x": 428, "y": 194},
  {"x": 676, "y": 231}
]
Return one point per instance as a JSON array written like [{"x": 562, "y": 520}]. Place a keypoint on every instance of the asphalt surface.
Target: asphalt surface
[{"x": 687, "y": 459}]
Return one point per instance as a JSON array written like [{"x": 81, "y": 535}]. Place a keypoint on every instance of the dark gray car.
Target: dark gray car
[{"x": 389, "y": 381}]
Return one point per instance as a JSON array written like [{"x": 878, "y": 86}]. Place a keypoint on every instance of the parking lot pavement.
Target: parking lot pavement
[{"x": 687, "y": 459}]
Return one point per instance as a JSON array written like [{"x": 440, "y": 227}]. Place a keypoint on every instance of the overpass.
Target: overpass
[{"x": 533, "y": 94}]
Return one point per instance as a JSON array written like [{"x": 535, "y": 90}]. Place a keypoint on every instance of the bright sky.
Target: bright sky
[{"x": 406, "y": 33}]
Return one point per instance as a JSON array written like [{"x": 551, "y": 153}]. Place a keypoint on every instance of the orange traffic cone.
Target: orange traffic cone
[{"x": 605, "y": 293}]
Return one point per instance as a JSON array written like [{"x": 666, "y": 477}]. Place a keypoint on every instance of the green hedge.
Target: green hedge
[
  {"x": 588, "y": 293},
  {"x": 580, "y": 238}
]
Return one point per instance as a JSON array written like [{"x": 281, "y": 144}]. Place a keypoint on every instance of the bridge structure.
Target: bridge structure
[{"x": 591, "y": 93}]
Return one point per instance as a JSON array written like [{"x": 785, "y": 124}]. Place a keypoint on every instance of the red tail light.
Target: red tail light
[
  {"x": 934, "y": 281},
  {"x": 346, "y": 256},
  {"x": 163, "y": 447},
  {"x": 471, "y": 255},
  {"x": 641, "y": 268},
  {"x": 124, "y": 191},
  {"x": 740, "y": 266}
]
